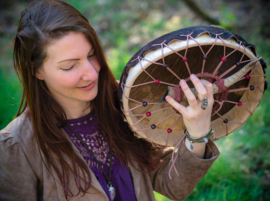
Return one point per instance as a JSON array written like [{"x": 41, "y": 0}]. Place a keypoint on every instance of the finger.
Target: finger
[
  {"x": 210, "y": 92},
  {"x": 180, "y": 108},
  {"x": 202, "y": 92},
  {"x": 209, "y": 87},
  {"x": 189, "y": 94}
]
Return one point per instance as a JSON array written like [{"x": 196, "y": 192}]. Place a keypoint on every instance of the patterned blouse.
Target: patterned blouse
[{"x": 97, "y": 141}]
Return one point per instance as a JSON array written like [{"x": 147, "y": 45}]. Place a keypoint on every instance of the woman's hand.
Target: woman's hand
[{"x": 196, "y": 120}]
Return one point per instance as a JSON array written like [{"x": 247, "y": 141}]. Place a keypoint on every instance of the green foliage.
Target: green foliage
[
  {"x": 10, "y": 86},
  {"x": 11, "y": 93},
  {"x": 228, "y": 19}
]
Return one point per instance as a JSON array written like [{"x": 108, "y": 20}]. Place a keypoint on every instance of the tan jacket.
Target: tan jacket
[{"x": 23, "y": 175}]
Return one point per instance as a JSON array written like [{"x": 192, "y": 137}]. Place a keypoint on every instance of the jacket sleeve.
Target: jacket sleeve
[
  {"x": 190, "y": 168},
  {"x": 17, "y": 180}
]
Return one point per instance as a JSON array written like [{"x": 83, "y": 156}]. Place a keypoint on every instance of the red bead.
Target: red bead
[
  {"x": 223, "y": 59},
  {"x": 157, "y": 81},
  {"x": 239, "y": 103},
  {"x": 169, "y": 130},
  {"x": 148, "y": 114},
  {"x": 185, "y": 59},
  {"x": 247, "y": 76}
]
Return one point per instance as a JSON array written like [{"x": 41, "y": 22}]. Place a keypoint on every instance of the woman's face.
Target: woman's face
[{"x": 71, "y": 70}]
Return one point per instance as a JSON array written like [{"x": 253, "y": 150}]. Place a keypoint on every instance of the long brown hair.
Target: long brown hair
[{"x": 41, "y": 23}]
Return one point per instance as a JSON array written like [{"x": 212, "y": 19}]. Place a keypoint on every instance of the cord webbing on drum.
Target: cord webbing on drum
[
  {"x": 215, "y": 71},
  {"x": 213, "y": 75}
]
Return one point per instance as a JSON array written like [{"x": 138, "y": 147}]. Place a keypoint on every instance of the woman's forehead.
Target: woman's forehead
[{"x": 72, "y": 45}]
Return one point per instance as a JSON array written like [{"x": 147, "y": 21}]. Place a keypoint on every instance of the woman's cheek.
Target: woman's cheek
[{"x": 69, "y": 80}]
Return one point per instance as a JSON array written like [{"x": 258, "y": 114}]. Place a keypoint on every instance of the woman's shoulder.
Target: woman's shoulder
[
  {"x": 18, "y": 132},
  {"x": 18, "y": 146},
  {"x": 19, "y": 161}
]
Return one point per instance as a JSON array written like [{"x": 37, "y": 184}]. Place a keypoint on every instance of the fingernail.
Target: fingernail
[
  {"x": 168, "y": 98},
  {"x": 192, "y": 76},
  {"x": 183, "y": 82}
]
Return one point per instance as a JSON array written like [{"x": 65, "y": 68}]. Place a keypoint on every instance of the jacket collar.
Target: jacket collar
[{"x": 94, "y": 182}]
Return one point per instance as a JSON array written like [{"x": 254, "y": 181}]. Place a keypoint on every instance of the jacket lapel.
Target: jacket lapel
[{"x": 94, "y": 182}]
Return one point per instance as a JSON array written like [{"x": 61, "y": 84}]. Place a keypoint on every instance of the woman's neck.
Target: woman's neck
[
  {"x": 73, "y": 108},
  {"x": 77, "y": 111}
]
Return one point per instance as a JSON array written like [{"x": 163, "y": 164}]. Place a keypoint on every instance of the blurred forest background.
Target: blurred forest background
[{"x": 242, "y": 172}]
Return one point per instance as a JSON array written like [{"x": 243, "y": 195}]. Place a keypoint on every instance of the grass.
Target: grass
[{"x": 125, "y": 26}]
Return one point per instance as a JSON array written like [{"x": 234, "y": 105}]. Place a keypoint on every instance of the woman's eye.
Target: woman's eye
[
  {"x": 66, "y": 69},
  {"x": 91, "y": 55}
]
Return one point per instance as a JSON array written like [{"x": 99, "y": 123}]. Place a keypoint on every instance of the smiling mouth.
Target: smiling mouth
[{"x": 86, "y": 85}]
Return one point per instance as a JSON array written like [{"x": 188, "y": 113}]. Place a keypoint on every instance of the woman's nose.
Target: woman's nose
[{"x": 89, "y": 71}]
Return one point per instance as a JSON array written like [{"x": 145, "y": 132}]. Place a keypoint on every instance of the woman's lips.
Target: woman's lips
[{"x": 88, "y": 87}]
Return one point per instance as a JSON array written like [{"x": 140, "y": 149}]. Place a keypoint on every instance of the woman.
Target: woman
[{"x": 70, "y": 140}]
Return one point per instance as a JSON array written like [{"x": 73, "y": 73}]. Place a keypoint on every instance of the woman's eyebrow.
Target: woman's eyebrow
[{"x": 76, "y": 58}]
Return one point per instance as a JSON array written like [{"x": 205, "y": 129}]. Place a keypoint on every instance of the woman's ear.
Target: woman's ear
[
  {"x": 38, "y": 72},
  {"x": 39, "y": 75}
]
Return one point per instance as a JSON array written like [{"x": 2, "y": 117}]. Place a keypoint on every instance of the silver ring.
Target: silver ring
[{"x": 204, "y": 103}]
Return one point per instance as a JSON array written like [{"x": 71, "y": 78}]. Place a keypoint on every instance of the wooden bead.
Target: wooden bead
[
  {"x": 185, "y": 59},
  {"x": 223, "y": 59},
  {"x": 153, "y": 126}
]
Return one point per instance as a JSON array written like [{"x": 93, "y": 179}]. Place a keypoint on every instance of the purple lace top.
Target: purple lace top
[{"x": 97, "y": 141}]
